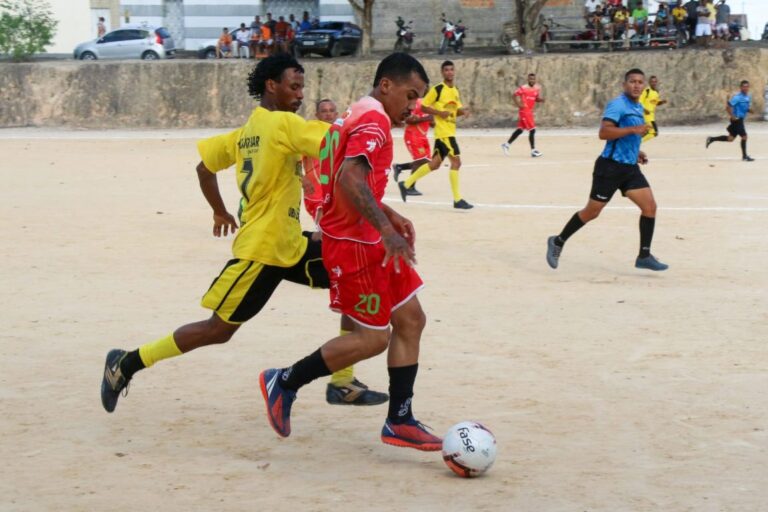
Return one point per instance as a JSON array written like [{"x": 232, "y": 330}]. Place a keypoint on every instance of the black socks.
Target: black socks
[
  {"x": 130, "y": 364},
  {"x": 646, "y": 235},
  {"x": 401, "y": 381},
  {"x": 570, "y": 228},
  {"x": 743, "y": 148},
  {"x": 531, "y": 138},
  {"x": 514, "y": 136},
  {"x": 305, "y": 371}
]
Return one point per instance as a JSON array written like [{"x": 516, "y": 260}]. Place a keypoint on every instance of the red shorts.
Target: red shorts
[
  {"x": 417, "y": 144},
  {"x": 360, "y": 287},
  {"x": 526, "y": 121}
]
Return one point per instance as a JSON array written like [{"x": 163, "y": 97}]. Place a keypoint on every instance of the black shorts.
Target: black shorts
[
  {"x": 610, "y": 176},
  {"x": 737, "y": 128},
  {"x": 446, "y": 146}
]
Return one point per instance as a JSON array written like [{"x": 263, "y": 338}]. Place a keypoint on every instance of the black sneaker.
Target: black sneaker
[
  {"x": 462, "y": 205},
  {"x": 354, "y": 393},
  {"x": 113, "y": 383},
  {"x": 748, "y": 159},
  {"x": 403, "y": 189},
  {"x": 397, "y": 168},
  {"x": 709, "y": 141},
  {"x": 412, "y": 191}
]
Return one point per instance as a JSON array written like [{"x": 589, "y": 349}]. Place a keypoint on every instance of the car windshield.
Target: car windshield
[{"x": 331, "y": 25}]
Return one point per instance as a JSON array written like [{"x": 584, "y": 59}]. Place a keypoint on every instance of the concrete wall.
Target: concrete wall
[{"x": 213, "y": 94}]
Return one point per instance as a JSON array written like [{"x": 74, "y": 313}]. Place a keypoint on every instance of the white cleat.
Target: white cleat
[
  {"x": 536, "y": 153},
  {"x": 505, "y": 148}
]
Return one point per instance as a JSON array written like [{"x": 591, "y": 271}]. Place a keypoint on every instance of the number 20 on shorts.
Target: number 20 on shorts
[{"x": 368, "y": 304}]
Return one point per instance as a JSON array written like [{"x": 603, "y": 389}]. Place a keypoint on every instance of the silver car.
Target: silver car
[{"x": 130, "y": 42}]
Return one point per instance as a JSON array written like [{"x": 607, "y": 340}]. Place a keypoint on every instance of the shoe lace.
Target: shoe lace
[{"x": 557, "y": 250}]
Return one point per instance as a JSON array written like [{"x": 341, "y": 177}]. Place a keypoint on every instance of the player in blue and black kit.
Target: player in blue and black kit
[
  {"x": 738, "y": 107},
  {"x": 617, "y": 169}
]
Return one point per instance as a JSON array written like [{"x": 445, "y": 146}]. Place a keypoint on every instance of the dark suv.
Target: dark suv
[{"x": 330, "y": 38}]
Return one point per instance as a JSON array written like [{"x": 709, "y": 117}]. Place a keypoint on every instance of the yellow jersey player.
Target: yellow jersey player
[
  {"x": 443, "y": 101},
  {"x": 650, "y": 99},
  {"x": 269, "y": 246}
]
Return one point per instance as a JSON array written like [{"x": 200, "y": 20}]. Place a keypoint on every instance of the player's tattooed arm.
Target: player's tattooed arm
[
  {"x": 353, "y": 185},
  {"x": 223, "y": 222}
]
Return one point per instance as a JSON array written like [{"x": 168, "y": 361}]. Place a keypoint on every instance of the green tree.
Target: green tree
[{"x": 26, "y": 27}]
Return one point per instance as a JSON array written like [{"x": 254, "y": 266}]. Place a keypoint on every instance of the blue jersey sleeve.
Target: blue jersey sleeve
[
  {"x": 613, "y": 111},
  {"x": 733, "y": 101}
]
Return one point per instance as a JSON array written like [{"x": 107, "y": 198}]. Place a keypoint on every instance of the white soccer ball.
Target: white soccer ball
[{"x": 469, "y": 449}]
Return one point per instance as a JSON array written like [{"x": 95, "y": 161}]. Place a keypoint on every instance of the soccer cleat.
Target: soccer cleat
[
  {"x": 403, "y": 189},
  {"x": 536, "y": 153},
  {"x": 411, "y": 434},
  {"x": 462, "y": 205},
  {"x": 397, "y": 169},
  {"x": 354, "y": 393},
  {"x": 650, "y": 263},
  {"x": 278, "y": 400},
  {"x": 113, "y": 382},
  {"x": 553, "y": 252},
  {"x": 748, "y": 159},
  {"x": 411, "y": 191},
  {"x": 505, "y": 149},
  {"x": 709, "y": 141}
]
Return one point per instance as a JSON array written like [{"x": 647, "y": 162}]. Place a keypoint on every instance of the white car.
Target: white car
[{"x": 129, "y": 42}]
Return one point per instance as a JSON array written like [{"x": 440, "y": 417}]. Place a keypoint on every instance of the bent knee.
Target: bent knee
[
  {"x": 376, "y": 341},
  {"x": 220, "y": 331}
]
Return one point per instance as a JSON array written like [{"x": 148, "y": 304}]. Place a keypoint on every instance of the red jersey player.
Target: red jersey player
[
  {"x": 344, "y": 388},
  {"x": 368, "y": 250},
  {"x": 416, "y": 129},
  {"x": 526, "y": 98}
]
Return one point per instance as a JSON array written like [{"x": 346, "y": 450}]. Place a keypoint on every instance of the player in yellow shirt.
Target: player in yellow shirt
[
  {"x": 650, "y": 99},
  {"x": 269, "y": 246},
  {"x": 443, "y": 101}
]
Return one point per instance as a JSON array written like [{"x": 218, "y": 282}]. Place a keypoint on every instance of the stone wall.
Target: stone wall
[{"x": 186, "y": 94}]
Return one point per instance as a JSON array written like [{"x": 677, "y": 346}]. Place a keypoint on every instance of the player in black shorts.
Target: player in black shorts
[
  {"x": 617, "y": 169},
  {"x": 738, "y": 107}
]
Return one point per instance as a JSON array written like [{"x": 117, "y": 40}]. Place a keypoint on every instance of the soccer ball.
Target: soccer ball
[{"x": 469, "y": 449}]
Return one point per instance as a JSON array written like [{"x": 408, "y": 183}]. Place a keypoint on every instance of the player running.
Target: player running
[
  {"x": 650, "y": 99},
  {"x": 344, "y": 388},
  {"x": 269, "y": 246},
  {"x": 444, "y": 103},
  {"x": 738, "y": 107},
  {"x": 617, "y": 169},
  {"x": 368, "y": 250},
  {"x": 526, "y": 97},
  {"x": 416, "y": 129}
]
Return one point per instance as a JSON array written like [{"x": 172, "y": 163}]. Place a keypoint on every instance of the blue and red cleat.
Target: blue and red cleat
[
  {"x": 411, "y": 434},
  {"x": 278, "y": 400}
]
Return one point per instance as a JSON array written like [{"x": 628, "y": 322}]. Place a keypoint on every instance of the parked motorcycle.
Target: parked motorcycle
[
  {"x": 404, "y": 35},
  {"x": 453, "y": 36}
]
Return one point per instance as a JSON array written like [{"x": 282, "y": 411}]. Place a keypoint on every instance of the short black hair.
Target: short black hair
[
  {"x": 531, "y": 74},
  {"x": 271, "y": 68},
  {"x": 398, "y": 67},
  {"x": 320, "y": 102},
  {"x": 744, "y": 82},
  {"x": 445, "y": 64},
  {"x": 652, "y": 77},
  {"x": 633, "y": 71}
]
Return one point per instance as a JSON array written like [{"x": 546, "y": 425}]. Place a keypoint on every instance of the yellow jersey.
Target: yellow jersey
[
  {"x": 267, "y": 151},
  {"x": 649, "y": 99},
  {"x": 443, "y": 97}
]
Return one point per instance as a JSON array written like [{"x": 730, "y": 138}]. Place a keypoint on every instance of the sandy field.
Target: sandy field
[{"x": 608, "y": 388}]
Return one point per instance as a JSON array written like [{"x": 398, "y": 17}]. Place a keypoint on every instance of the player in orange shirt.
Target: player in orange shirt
[
  {"x": 344, "y": 388},
  {"x": 526, "y": 97},
  {"x": 416, "y": 129}
]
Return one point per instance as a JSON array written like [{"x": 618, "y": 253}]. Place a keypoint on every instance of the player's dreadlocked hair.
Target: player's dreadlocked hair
[
  {"x": 271, "y": 68},
  {"x": 399, "y": 66}
]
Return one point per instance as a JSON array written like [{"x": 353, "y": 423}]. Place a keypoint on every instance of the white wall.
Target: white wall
[{"x": 74, "y": 17}]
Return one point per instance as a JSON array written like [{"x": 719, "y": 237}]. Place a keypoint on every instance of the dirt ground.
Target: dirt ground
[{"x": 608, "y": 388}]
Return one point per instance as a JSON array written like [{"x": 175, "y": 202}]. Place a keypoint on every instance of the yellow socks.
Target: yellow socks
[
  {"x": 155, "y": 351},
  {"x": 454, "y": 177},
  {"x": 417, "y": 175},
  {"x": 345, "y": 375}
]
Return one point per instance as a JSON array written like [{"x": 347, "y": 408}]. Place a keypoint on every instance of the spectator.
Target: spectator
[
  {"x": 722, "y": 19},
  {"x": 679, "y": 18},
  {"x": 305, "y": 23},
  {"x": 621, "y": 22},
  {"x": 281, "y": 34},
  {"x": 255, "y": 43},
  {"x": 270, "y": 23},
  {"x": 712, "y": 15},
  {"x": 590, "y": 6},
  {"x": 256, "y": 24},
  {"x": 224, "y": 44},
  {"x": 266, "y": 43},
  {"x": 690, "y": 8},
  {"x": 640, "y": 15},
  {"x": 703, "y": 27},
  {"x": 293, "y": 22},
  {"x": 663, "y": 19},
  {"x": 101, "y": 28},
  {"x": 243, "y": 37}
]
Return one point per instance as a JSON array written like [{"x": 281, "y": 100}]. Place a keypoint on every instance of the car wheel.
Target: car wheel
[
  {"x": 149, "y": 55},
  {"x": 336, "y": 49},
  {"x": 210, "y": 53},
  {"x": 87, "y": 56}
]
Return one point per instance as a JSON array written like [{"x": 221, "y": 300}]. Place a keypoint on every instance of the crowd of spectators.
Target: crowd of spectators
[{"x": 262, "y": 38}]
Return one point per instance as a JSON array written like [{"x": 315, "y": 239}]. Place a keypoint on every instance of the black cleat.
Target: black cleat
[
  {"x": 748, "y": 159},
  {"x": 709, "y": 141},
  {"x": 397, "y": 168},
  {"x": 462, "y": 205},
  {"x": 403, "y": 189},
  {"x": 113, "y": 383},
  {"x": 413, "y": 192},
  {"x": 354, "y": 393}
]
